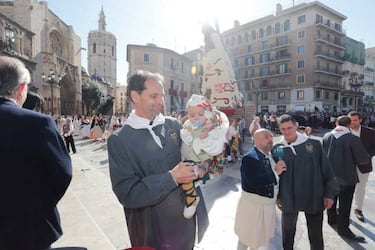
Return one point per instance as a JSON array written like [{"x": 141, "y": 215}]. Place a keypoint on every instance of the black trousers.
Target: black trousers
[
  {"x": 345, "y": 198},
  {"x": 69, "y": 141},
  {"x": 314, "y": 227}
]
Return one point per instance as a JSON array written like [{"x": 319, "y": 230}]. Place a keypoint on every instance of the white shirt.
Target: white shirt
[{"x": 356, "y": 133}]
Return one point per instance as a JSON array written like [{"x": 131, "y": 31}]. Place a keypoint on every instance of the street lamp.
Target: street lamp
[
  {"x": 51, "y": 79},
  {"x": 257, "y": 92},
  {"x": 355, "y": 82}
]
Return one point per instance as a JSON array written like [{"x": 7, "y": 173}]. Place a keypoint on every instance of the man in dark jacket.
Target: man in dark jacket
[
  {"x": 345, "y": 151},
  {"x": 35, "y": 166},
  {"x": 146, "y": 170},
  {"x": 307, "y": 185},
  {"x": 367, "y": 136}
]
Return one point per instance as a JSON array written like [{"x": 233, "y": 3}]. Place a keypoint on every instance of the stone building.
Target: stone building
[
  {"x": 56, "y": 50},
  {"x": 121, "y": 99},
  {"x": 290, "y": 61},
  {"x": 17, "y": 41},
  {"x": 175, "y": 68},
  {"x": 102, "y": 54}
]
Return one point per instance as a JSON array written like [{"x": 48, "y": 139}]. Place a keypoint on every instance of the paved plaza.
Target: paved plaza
[{"x": 92, "y": 218}]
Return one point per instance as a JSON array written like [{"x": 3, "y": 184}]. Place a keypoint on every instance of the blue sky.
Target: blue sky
[{"x": 176, "y": 24}]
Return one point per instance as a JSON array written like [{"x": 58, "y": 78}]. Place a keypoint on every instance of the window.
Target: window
[
  {"x": 300, "y": 64},
  {"x": 249, "y": 49},
  {"x": 286, "y": 25},
  {"x": 264, "y": 44},
  {"x": 300, "y": 79},
  {"x": 265, "y": 71},
  {"x": 277, "y": 28},
  {"x": 282, "y": 68},
  {"x": 318, "y": 19},
  {"x": 281, "y": 54},
  {"x": 301, "y": 34},
  {"x": 300, "y": 94},
  {"x": 326, "y": 95},
  {"x": 246, "y": 37},
  {"x": 269, "y": 30},
  {"x": 264, "y": 84},
  {"x": 10, "y": 37},
  {"x": 301, "y": 19},
  {"x": 250, "y": 73},
  {"x": 253, "y": 35},
  {"x": 239, "y": 39},
  {"x": 281, "y": 95},
  {"x": 146, "y": 58},
  {"x": 281, "y": 40},
  {"x": 264, "y": 96},
  {"x": 338, "y": 27},
  {"x": 317, "y": 94},
  {"x": 336, "y": 96},
  {"x": 249, "y": 61},
  {"x": 94, "y": 48},
  {"x": 301, "y": 49},
  {"x": 261, "y": 33},
  {"x": 264, "y": 57}
]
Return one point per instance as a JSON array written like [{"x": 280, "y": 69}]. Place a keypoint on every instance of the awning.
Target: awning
[{"x": 299, "y": 108}]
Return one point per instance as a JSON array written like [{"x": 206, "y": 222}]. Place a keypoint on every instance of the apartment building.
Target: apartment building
[
  {"x": 369, "y": 80},
  {"x": 290, "y": 61},
  {"x": 175, "y": 68}
]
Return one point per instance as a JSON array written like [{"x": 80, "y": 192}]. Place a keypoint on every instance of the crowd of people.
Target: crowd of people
[{"x": 157, "y": 164}]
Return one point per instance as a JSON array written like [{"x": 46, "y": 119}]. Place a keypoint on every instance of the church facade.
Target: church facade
[{"x": 53, "y": 54}]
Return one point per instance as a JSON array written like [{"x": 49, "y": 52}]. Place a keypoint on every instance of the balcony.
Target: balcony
[
  {"x": 331, "y": 27},
  {"x": 328, "y": 85},
  {"x": 326, "y": 70},
  {"x": 329, "y": 56},
  {"x": 331, "y": 42}
]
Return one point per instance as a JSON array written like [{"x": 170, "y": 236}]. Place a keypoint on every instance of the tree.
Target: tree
[
  {"x": 106, "y": 106},
  {"x": 91, "y": 95}
]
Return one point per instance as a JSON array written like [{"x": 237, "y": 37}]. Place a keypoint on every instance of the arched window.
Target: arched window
[{"x": 56, "y": 46}]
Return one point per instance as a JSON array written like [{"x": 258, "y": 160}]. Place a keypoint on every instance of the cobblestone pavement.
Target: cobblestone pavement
[{"x": 92, "y": 218}]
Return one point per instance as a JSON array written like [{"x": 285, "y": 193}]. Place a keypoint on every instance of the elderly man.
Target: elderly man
[
  {"x": 35, "y": 166},
  {"x": 259, "y": 179}
]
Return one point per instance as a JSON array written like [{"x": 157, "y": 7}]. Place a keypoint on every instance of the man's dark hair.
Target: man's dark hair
[
  {"x": 137, "y": 81},
  {"x": 343, "y": 121},
  {"x": 286, "y": 118},
  {"x": 355, "y": 113}
]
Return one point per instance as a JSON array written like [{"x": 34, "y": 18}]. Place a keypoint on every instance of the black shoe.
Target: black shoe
[
  {"x": 359, "y": 215},
  {"x": 351, "y": 236},
  {"x": 332, "y": 220}
]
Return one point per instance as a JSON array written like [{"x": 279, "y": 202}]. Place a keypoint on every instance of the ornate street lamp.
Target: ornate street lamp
[
  {"x": 355, "y": 82},
  {"x": 51, "y": 79}
]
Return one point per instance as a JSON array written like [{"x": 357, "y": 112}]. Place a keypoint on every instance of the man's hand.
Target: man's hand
[
  {"x": 280, "y": 167},
  {"x": 328, "y": 202},
  {"x": 183, "y": 172}
]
